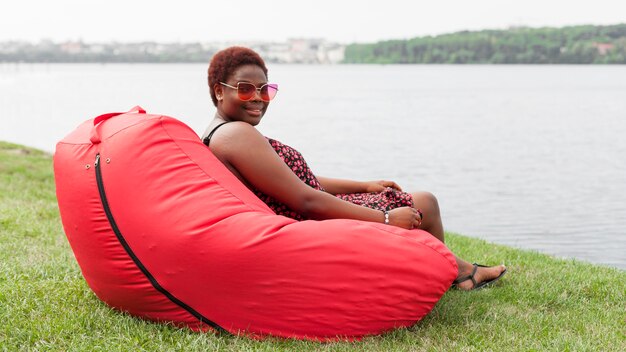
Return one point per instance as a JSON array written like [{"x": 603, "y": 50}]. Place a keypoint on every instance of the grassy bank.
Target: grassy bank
[{"x": 542, "y": 304}]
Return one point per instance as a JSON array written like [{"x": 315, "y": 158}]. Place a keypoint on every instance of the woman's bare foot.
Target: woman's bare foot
[{"x": 480, "y": 274}]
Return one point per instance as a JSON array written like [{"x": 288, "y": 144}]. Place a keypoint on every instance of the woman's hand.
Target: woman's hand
[
  {"x": 379, "y": 186},
  {"x": 405, "y": 217}
]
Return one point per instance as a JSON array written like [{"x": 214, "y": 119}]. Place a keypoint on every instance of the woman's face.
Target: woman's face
[{"x": 230, "y": 107}]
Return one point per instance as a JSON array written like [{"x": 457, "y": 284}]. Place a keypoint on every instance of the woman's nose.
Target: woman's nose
[{"x": 257, "y": 95}]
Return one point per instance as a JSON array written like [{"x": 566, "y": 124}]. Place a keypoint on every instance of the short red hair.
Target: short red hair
[{"x": 226, "y": 61}]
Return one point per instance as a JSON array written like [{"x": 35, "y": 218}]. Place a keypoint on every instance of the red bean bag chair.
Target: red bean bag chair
[{"x": 162, "y": 230}]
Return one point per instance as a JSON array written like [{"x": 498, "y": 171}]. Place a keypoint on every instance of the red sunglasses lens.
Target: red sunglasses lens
[
  {"x": 268, "y": 91},
  {"x": 245, "y": 91}
]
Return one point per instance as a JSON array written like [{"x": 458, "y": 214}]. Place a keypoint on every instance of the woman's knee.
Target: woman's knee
[{"x": 426, "y": 201}]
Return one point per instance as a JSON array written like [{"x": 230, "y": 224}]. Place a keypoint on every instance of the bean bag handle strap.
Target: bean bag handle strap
[{"x": 94, "y": 136}]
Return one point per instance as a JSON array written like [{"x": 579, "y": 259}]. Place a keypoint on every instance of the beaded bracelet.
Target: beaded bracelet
[{"x": 386, "y": 217}]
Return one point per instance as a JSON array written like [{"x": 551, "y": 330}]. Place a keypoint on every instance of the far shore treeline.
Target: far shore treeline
[
  {"x": 569, "y": 45},
  {"x": 586, "y": 44}
]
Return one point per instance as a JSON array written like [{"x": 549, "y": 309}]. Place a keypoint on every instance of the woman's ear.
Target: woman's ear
[{"x": 219, "y": 92}]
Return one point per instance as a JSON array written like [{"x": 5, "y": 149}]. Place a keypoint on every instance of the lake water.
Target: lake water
[{"x": 528, "y": 156}]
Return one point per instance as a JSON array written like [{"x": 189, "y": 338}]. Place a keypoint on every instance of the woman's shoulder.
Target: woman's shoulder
[
  {"x": 237, "y": 131},
  {"x": 236, "y": 139},
  {"x": 242, "y": 129}
]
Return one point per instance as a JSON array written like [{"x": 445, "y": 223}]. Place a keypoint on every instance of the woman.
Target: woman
[{"x": 280, "y": 177}]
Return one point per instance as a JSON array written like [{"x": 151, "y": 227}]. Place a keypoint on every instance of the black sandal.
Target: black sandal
[{"x": 477, "y": 286}]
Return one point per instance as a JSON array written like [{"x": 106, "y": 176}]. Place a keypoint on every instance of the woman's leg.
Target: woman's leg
[
  {"x": 429, "y": 206},
  {"x": 432, "y": 223},
  {"x": 482, "y": 273}
]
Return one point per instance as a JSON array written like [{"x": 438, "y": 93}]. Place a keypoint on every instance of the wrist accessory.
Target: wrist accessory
[{"x": 386, "y": 217}]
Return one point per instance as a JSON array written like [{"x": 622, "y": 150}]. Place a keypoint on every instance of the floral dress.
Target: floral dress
[{"x": 388, "y": 199}]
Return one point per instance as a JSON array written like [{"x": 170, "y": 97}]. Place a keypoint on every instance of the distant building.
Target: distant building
[
  {"x": 72, "y": 48},
  {"x": 603, "y": 48},
  {"x": 301, "y": 51}
]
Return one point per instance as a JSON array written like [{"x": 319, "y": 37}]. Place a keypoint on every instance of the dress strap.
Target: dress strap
[{"x": 207, "y": 139}]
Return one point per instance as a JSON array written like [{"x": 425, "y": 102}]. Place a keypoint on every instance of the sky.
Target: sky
[{"x": 244, "y": 20}]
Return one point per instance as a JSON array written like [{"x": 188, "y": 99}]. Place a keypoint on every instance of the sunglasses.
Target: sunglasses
[{"x": 246, "y": 91}]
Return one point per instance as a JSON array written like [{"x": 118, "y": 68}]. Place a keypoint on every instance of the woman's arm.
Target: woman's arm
[
  {"x": 339, "y": 186},
  {"x": 247, "y": 151}
]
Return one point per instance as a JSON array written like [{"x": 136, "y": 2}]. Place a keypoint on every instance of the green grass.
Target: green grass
[{"x": 541, "y": 304}]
